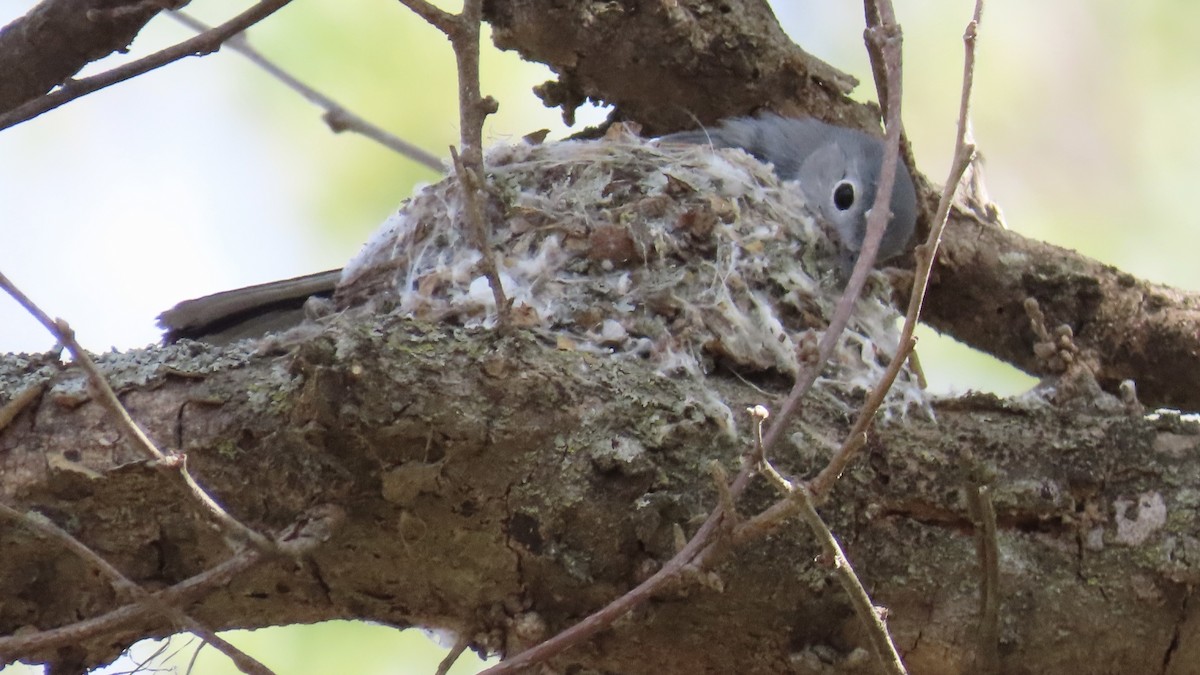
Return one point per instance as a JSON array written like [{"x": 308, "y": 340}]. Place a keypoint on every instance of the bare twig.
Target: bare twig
[
  {"x": 689, "y": 557},
  {"x": 447, "y": 662},
  {"x": 63, "y": 333},
  {"x": 108, "y": 398},
  {"x": 720, "y": 478},
  {"x": 884, "y": 37},
  {"x": 886, "y": 40},
  {"x": 470, "y": 183},
  {"x": 799, "y": 496},
  {"x": 440, "y": 19},
  {"x": 473, "y": 108},
  {"x": 185, "y": 591},
  {"x": 313, "y": 528},
  {"x": 881, "y": 642},
  {"x": 983, "y": 514},
  {"x": 336, "y": 116},
  {"x": 463, "y": 32},
  {"x": 10, "y": 410},
  {"x": 765, "y": 467},
  {"x": 43, "y": 525},
  {"x": 700, "y": 550},
  {"x": 202, "y": 44},
  {"x": 964, "y": 150}
]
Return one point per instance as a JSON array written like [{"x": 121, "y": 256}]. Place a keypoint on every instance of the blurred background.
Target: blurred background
[{"x": 208, "y": 175}]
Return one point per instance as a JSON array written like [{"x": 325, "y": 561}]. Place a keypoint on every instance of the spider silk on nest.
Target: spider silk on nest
[{"x": 683, "y": 256}]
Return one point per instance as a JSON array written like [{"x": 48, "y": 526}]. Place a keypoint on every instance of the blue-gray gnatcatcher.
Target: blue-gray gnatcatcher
[{"x": 836, "y": 168}]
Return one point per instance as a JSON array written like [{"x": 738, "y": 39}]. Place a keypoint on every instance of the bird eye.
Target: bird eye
[{"x": 843, "y": 195}]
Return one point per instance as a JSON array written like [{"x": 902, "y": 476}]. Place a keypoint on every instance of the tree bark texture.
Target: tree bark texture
[
  {"x": 501, "y": 488},
  {"x": 54, "y": 40}
]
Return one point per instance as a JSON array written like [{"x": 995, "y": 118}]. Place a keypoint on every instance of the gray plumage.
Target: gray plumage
[
  {"x": 837, "y": 168},
  {"x": 229, "y": 316}
]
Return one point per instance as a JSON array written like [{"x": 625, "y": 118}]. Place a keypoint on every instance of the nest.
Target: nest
[{"x": 690, "y": 258}]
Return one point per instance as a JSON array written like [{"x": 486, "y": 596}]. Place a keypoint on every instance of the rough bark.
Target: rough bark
[
  {"x": 493, "y": 484},
  {"x": 669, "y": 65},
  {"x": 501, "y": 488},
  {"x": 57, "y": 38},
  {"x": 1129, "y": 329},
  {"x": 660, "y": 63}
]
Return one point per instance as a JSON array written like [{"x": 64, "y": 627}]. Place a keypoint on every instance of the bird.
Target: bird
[
  {"x": 836, "y": 168},
  {"x": 247, "y": 312}
]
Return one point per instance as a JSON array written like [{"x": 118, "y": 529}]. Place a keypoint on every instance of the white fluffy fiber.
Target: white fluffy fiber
[{"x": 678, "y": 254}]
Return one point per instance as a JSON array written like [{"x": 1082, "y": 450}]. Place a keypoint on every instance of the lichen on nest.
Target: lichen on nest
[{"x": 677, "y": 254}]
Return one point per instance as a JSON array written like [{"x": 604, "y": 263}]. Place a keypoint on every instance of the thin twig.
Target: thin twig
[
  {"x": 10, "y": 410},
  {"x": 201, "y": 45},
  {"x": 687, "y": 558},
  {"x": 768, "y": 520},
  {"x": 473, "y": 106},
  {"x": 720, "y": 479},
  {"x": 879, "y": 17},
  {"x": 886, "y": 36},
  {"x": 42, "y": 524},
  {"x": 760, "y": 415},
  {"x": 463, "y": 31},
  {"x": 964, "y": 150},
  {"x": 700, "y": 550},
  {"x": 881, "y": 642},
  {"x": 336, "y": 116},
  {"x": 983, "y": 514},
  {"x": 799, "y": 496},
  {"x": 438, "y": 18},
  {"x": 313, "y": 528},
  {"x": 186, "y": 591},
  {"x": 883, "y": 36},
  {"x": 469, "y": 183},
  {"x": 447, "y": 662},
  {"x": 142, "y": 443}
]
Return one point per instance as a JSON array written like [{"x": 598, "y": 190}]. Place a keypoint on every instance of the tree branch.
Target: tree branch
[
  {"x": 646, "y": 61},
  {"x": 473, "y": 470},
  {"x": 200, "y": 45},
  {"x": 55, "y": 39},
  {"x": 503, "y": 490},
  {"x": 1130, "y": 328},
  {"x": 338, "y": 117},
  {"x": 39, "y": 523}
]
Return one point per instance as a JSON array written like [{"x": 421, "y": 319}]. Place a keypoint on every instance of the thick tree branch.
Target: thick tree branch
[
  {"x": 488, "y": 486},
  {"x": 1130, "y": 328},
  {"x": 205, "y": 43},
  {"x": 54, "y": 40},
  {"x": 491, "y": 483},
  {"x": 667, "y": 65}
]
